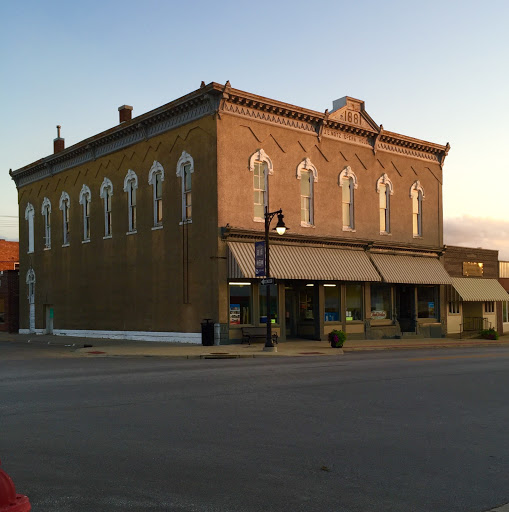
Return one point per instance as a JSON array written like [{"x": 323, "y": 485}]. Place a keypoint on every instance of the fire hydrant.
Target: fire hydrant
[{"x": 9, "y": 500}]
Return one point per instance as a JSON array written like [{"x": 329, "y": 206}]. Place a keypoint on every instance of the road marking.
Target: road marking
[
  {"x": 469, "y": 356},
  {"x": 503, "y": 508}
]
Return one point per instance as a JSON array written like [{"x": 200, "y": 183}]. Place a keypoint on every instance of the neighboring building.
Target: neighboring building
[
  {"x": 148, "y": 228},
  {"x": 9, "y": 300},
  {"x": 9, "y": 286},
  {"x": 9, "y": 255},
  {"x": 503, "y": 279},
  {"x": 475, "y": 299}
]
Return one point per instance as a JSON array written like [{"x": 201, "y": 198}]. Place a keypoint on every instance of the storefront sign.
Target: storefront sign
[
  {"x": 259, "y": 259},
  {"x": 378, "y": 315}
]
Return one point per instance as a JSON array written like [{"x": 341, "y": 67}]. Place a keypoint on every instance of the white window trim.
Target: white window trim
[
  {"x": 46, "y": 213},
  {"x": 307, "y": 165},
  {"x": 260, "y": 156},
  {"x": 156, "y": 169},
  {"x": 129, "y": 179},
  {"x": 348, "y": 173},
  {"x": 106, "y": 185},
  {"x": 65, "y": 204},
  {"x": 385, "y": 180},
  {"x": 30, "y": 280},
  {"x": 185, "y": 158},
  {"x": 418, "y": 187},
  {"x": 85, "y": 196},
  {"x": 29, "y": 216}
]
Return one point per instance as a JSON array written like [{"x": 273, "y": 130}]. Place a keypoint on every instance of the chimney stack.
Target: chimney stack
[
  {"x": 125, "y": 113},
  {"x": 58, "y": 143}
]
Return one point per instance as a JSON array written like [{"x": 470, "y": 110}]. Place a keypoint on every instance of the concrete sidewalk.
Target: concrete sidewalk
[{"x": 93, "y": 347}]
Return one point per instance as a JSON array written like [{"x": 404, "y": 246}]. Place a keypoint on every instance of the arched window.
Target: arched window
[
  {"x": 261, "y": 166},
  {"x": 106, "y": 193},
  {"x": 156, "y": 178},
  {"x": 130, "y": 186},
  {"x": 29, "y": 217},
  {"x": 85, "y": 198},
  {"x": 65, "y": 204},
  {"x": 185, "y": 167},
  {"x": 46, "y": 213},
  {"x": 348, "y": 183},
  {"x": 385, "y": 190},
  {"x": 417, "y": 196},
  {"x": 308, "y": 175}
]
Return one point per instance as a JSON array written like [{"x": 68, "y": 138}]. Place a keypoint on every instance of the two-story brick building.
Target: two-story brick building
[{"x": 148, "y": 228}]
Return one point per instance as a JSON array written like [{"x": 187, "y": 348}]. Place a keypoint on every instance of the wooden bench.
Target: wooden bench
[{"x": 249, "y": 333}]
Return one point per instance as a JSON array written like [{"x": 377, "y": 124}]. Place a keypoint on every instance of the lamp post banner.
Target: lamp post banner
[{"x": 259, "y": 259}]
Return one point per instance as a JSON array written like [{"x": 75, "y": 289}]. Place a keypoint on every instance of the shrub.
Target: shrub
[
  {"x": 337, "y": 338},
  {"x": 489, "y": 334}
]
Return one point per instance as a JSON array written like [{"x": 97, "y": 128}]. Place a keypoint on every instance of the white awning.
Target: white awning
[
  {"x": 479, "y": 290},
  {"x": 302, "y": 262},
  {"x": 410, "y": 269}
]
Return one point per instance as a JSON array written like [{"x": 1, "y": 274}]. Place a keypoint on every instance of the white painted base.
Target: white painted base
[{"x": 174, "y": 337}]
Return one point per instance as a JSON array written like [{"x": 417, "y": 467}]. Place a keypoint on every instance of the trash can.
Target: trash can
[{"x": 207, "y": 332}]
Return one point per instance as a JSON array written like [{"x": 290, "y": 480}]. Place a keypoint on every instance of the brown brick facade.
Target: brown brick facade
[{"x": 168, "y": 279}]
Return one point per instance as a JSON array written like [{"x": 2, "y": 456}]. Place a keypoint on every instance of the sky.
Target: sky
[{"x": 435, "y": 70}]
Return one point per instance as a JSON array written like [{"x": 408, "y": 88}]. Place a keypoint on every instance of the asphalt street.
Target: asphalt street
[{"x": 420, "y": 431}]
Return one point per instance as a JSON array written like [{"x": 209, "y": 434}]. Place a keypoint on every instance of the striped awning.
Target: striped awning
[
  {"x": 410, "y": 269},
  {"x": 479, "y": 290},
  {"x": 298, "y": 262}
]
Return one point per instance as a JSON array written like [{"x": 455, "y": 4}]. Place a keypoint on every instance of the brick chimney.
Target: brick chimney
[
  {"x": 124, "y": 113},
  {"x": 58, "y": 143}
]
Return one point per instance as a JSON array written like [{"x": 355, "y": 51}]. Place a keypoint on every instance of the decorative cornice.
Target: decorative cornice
[
  {"x": 189, "y": 108},
  {"x": 248, "y": 235},
  {"x": 214, "y": 99}
]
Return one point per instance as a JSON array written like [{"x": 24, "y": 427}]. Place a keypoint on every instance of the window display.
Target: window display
[
  {"x": 240, "y": 303},
  {"x": 427, "y": 302},
  {"x": 273, "y": 304},
  {"x": 381, "y": 303},
  {"x": 354, "y": 301},
  {"x": 332, "y": 303}
]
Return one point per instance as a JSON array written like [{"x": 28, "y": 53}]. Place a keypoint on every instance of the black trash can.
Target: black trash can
[{"x": 207, "y": 332}]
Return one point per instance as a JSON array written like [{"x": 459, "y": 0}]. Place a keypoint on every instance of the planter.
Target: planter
[{"x": 337, "y": 338}]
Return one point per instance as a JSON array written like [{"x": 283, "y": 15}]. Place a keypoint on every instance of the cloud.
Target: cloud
[{"x": 469, "y": 231}]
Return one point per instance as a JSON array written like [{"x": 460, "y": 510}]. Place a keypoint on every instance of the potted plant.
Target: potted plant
[
  {"x": 489, "y": 334},
  {"x": 337, "y": 338}
]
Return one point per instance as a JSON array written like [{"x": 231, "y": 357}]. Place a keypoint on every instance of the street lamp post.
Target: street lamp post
[{"x": 280, "y": 229}]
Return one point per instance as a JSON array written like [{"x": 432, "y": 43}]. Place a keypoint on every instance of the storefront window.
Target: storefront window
[
  {"x": 504, "y": 312},
  {"x": 332, "y": 303},
  {"x": 306, "y": 304},
  {"x": 427, "y": 306},
  {"x": 240, "y": 303},
  {"x": 273, "y": 304},
  {"x": 381, "y": 303},
  {"x": 354, "y": 300}
]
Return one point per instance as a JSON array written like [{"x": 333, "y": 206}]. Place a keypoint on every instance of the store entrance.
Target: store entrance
[
  {"x": 405, "y": 307},
  {"x": 301, "y": 310}
]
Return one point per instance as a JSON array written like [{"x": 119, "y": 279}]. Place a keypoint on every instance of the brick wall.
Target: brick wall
[
  {"x": 9, "y": 255},
  {"x": 9, "y": 300}
]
